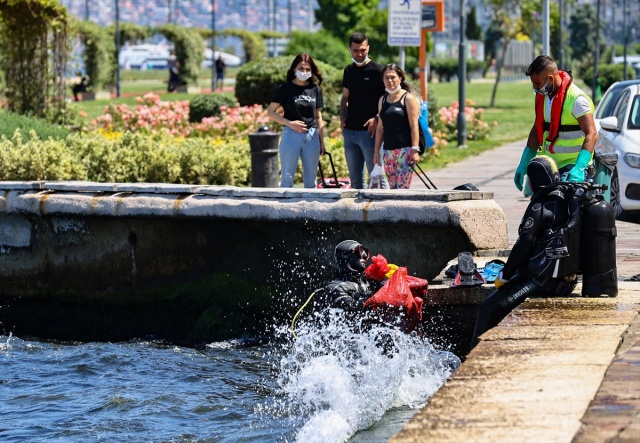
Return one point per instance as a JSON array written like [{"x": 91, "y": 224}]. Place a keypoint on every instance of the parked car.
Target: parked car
[
  {"x": 609, "y": 99},
  {"x": 620, "y": 134}
]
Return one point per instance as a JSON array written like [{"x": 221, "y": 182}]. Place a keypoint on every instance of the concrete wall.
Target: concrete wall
[{"x": 110, "y": 245}]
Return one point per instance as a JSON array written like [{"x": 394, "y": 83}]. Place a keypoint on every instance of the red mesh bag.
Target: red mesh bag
[
  {"x": 378, "y": 268},
  {"x": 395, "y": 303}
]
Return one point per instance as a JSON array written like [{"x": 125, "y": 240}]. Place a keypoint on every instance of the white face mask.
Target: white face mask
[
  {"x": 303, "y": 76},
  {"x": 545, "y": 90},
  {"x": 392, "y": 91},
  {"x": 363, "y": 62}
]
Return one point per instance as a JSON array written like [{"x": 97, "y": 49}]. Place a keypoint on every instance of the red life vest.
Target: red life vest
[{"x": 556, "y": 111}]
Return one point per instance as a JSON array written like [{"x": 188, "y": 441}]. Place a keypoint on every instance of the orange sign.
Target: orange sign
[{"x": 433, "y": 15}]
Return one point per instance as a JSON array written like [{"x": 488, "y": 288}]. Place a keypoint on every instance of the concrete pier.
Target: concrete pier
[
  {"x": 135, "y": 252},
  {"x": 554, "y": 370}
]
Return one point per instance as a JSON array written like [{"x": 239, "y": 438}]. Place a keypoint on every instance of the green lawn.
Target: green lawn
[{"x": 513, "y": 111}]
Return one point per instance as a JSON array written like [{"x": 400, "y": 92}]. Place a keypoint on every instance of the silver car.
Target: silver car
[{"x": 620, "y": 134}]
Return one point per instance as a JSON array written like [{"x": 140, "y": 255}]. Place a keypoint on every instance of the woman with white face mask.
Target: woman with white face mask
[
  {"x": 398, "y": 128},
  {"x": 300, "y": 102}
]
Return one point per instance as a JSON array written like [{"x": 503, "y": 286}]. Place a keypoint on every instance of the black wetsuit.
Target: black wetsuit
[
  {"x": 347, "y": 292},
  {"x": 550, "y": 216}
]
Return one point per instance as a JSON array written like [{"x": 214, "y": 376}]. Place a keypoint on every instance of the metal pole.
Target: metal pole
[
  {"x": 169, "y": 11},
  {"x": 596, "y": 56},
  {"x": 86, "y": 10},
  {"x": 213, "y": 45},
  {"x": 625, "y": 13},
  {"x": 275, "y": 26},
  {"x": 401, "y": 53},
  {"x": 462, "y": 75},
  {"x": 545, "y": 27},
  {"x": 290, "y": 18},
  {"x": 117, "y": 49},
  {"x": 561, "y": 55}
]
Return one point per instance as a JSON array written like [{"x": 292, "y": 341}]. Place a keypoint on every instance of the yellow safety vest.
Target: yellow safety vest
[{"x": 570, "y": 137}]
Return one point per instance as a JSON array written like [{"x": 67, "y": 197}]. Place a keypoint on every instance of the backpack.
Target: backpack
[{"x": 425, "y": 140}]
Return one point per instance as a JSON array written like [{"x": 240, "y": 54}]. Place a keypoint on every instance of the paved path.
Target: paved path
[{"x": 554, "y": 370}]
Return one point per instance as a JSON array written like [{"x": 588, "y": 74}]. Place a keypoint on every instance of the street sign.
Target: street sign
[
  {"x": 432, "y": 15},
  {"x": 404, "y": 25}
]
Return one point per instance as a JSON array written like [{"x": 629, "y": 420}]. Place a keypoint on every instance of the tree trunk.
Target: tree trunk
[{"x": 498, "y": 75}]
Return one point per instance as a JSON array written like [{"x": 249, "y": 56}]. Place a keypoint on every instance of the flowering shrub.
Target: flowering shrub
[
  {"x": 153, "y": 115},
  {"x": 232, "y": 122},
  {"x": 448, "y": 123}
]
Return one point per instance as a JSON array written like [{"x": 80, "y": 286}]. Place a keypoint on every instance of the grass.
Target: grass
[{"x": 513, "y": 111}]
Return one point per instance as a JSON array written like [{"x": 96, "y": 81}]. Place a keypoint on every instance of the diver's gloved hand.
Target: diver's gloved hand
[
  {"x": 500, "y": 280},
  {"x": 521, "y": 171},
  {"x": 576, "y": 174}
]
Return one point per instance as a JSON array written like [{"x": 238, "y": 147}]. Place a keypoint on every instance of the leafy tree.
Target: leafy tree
[
  {"x": 189, "y": 49},
  {"x": 491, "y": 38},
  {"x": 532, "y": 23},
  {"x": 473, "y": 30},
  {"x": 99, "y": 53},
  {"x": 506, "y": 17},
  {"x": 582, "y": 29},
  {"x": 339, "y": 17},
  {"x": 34, "y": 41}
]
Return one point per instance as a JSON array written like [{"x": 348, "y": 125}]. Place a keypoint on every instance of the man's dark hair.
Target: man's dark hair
[
  {"x": 540, "y": 64},
  {"x": 357, "y": 37}
]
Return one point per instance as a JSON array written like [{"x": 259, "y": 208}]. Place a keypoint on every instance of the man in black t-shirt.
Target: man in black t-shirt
[{"x": 362, "y": 87}]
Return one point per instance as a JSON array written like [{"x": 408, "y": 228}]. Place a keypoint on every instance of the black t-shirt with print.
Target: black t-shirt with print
[
  {"x": 299, "y": 102},
  {"x": 365, "y": 89}
]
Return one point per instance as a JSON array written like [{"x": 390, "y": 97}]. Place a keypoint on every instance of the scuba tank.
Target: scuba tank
[{"x": 598, "y": 241}]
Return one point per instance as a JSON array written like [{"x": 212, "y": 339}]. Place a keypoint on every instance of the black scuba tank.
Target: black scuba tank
[{"x": 598, "y": 252}]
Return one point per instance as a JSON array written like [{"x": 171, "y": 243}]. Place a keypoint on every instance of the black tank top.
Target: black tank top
[{"x": 397, "y": 131}]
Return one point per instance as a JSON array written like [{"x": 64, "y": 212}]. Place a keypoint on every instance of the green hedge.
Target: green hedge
[
  {"x": 10, "y": 121},
  {"x": 208, "y": 105},
  {"x": 447, "y": 68},
  {"x": 257, "y": 81},
  {"x": 137, "y": 158},
  {"x": 130, "y": 158},
  {"x": 609, "y": 74}
]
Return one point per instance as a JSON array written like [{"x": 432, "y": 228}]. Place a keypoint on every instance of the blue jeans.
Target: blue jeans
[
  {"x": 358, "y": 151},
  {"x": 294, "y": 145}
]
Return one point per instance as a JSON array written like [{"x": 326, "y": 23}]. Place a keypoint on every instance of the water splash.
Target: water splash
[{"x": 335, "y": 381}]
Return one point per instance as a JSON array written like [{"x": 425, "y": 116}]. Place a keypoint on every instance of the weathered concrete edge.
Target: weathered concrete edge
[
  {"x": 454, "y": 414},
  {"x": 482, "y": 220}
]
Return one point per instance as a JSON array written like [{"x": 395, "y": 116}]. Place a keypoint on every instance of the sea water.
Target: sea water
[{"x": 327, "y": 384}]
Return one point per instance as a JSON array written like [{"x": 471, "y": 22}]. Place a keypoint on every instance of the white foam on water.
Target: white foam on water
[{"x": 337, "y": 381}]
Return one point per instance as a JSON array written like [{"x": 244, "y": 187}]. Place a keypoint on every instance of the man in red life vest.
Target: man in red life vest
[{"x": 564, "y": 128}]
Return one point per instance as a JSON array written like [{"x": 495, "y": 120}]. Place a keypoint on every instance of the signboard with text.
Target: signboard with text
[
  {"x": 432, "y": 15},
  {"x": 404, "y": 25}
]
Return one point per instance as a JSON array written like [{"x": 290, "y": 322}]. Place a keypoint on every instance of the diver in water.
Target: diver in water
[
  {"x": 350, "y": 287},
  {"x": 541, "y": 262},
  {"x": 378, "y": 294}
]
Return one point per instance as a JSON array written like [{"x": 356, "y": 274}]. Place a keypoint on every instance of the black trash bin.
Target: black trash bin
[{"x": 264, "y": 158}]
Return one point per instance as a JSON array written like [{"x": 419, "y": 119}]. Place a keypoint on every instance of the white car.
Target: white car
[
  {"x": 609, "y": 99},
  {"x": 620, "y": 134}
]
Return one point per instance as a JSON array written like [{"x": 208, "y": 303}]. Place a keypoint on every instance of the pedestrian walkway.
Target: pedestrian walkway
[{"x": 555, "y": 369}]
